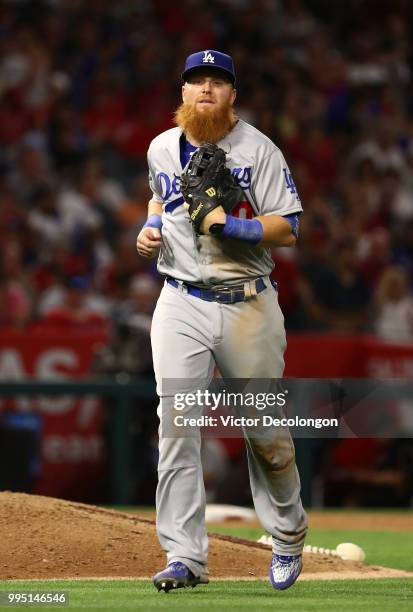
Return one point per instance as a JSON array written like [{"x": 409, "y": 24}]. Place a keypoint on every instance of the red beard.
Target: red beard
[{"x": 210, "y": 126}]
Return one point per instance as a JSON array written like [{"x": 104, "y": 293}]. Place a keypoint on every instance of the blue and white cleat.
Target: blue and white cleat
[
  {"x": 284, "y": 570},
  {"x": 177, "y": 576}
]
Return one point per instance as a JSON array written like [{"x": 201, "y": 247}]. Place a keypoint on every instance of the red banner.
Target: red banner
[
  {"x": 317, "y": 356},
  {"x": 72, "y": 452}
]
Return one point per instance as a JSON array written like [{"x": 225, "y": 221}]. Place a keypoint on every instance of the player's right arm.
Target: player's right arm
[
  {"x": 149, "y": 239},
  {"x": 277, "y": 200}
]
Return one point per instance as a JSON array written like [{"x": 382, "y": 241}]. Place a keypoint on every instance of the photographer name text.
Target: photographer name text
[{"x": 262, "y": 421}]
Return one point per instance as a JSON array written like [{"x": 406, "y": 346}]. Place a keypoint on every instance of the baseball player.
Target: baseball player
[{"x": 218, "y": 307}]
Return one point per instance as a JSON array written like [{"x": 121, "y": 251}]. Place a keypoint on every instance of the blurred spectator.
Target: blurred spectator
[
  {"x": 129, "y": 350},
  {"x": 14, "y": 119},
  {"x": 394, "y": 306},
  {"x": 106, "y": 109},
  {"x": 367, "y": 472},
  {"x": 13, "y": 219},
  {"x": 16, "y": 292},
  {"x": 108, "y": 191},
  {"x": 138, "y": 309},
  {"x": 90, "y": 205},
  {"x": 382, "y": 150},
  {"x": 78, "y": 307},
  {"x": 15, "y": 307},
  {"x": 68, "y": 140},
  {"x": 44, "y": 218},
  {"x": 31, "y": 173},
  {"x": 338, "y": 297},
  {"x": 134, "y": 210},
  {"x": 362, "y": 192},
  {"x": 77, "y": 213},
  {"x": 375, "y": 255},
  {"x": 315, "y": 150},
  {"x": 117, "y": 276}
]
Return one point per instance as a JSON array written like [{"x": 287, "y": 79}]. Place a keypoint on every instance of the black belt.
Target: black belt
[{"x": 227, "y": 295}]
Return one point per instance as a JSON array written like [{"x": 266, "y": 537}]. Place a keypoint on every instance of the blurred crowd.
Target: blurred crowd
[{"x": 84, "y": 87}]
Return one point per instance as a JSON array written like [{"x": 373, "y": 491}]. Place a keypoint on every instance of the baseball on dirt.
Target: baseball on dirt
[{"x": 350, "y": 552}]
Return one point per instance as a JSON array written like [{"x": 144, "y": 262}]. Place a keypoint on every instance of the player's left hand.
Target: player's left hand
[{"x": 209, "y": 188}]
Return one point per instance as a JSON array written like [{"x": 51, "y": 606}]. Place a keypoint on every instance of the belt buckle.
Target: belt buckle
[{"x": 230, "y": 291}]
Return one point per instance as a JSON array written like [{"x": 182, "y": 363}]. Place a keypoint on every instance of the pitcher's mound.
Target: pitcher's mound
[{"x": 42, "y": 537}]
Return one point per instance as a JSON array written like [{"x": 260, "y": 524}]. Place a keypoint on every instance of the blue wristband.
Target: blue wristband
[
  {"x": 249, "y": 230},
  {"x": 154, "y": 221}
]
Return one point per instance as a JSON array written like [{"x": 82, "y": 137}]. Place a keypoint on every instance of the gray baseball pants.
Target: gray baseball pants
[{"x": 245, "y": 340}]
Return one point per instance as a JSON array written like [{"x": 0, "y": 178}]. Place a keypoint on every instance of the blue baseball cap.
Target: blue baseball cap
[{"x": 210, "y": 59}]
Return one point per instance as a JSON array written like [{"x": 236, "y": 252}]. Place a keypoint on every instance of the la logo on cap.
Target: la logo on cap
[{"x": 208, "y": 57}]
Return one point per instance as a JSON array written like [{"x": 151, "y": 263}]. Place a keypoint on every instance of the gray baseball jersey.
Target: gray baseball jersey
[{"x": 266, "y": 180}]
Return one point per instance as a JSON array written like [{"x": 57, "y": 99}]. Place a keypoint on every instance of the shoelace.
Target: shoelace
[
  {"x": 284, "y": 559},
  {"x": 178, "y": 566}
]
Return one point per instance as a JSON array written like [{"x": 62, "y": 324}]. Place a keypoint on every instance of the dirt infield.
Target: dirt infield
[{"x": 42, "y": 537}]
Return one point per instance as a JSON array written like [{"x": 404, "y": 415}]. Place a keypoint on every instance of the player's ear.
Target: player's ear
[
  {"x": 233, "y": 95},
  {"x": 183, "y": 91}
]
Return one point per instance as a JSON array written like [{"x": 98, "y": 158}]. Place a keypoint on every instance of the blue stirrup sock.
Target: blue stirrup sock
[{"x": 249, "y": 230}]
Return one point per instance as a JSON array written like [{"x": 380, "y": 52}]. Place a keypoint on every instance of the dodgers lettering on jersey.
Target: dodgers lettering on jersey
[
  {"x": 170, "y": 185},
  {"x": 260, "y": 169}
]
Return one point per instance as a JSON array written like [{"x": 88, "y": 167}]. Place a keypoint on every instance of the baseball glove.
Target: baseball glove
[{"x": 207, "y": 184}]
